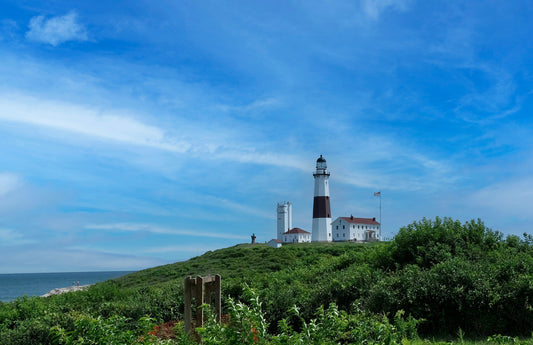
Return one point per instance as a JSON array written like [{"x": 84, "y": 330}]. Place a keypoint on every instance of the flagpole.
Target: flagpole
[{"x": 380, "y": 225}]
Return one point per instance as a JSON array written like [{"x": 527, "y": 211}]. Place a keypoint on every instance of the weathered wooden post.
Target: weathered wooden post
[
  {"x": 201, "y": 289},
  {"x": 213, "y": 286},
  {"x": 187, "y": 309}
]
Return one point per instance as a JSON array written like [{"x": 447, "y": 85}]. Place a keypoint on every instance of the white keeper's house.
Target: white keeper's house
[
  {"x": 296, "y": 235},
  {"x": 355, "y": 229}
]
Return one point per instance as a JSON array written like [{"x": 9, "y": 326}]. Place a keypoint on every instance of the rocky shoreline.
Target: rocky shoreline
[{"x": 60, "y": 291}]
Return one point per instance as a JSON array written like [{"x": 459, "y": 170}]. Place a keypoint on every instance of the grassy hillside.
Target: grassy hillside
[
  {"x": 243, "y": 262},
  {"x": 458, "y": 278}
]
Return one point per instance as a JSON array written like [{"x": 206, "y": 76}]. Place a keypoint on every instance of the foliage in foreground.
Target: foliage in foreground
[
  {"x": 248, "y": 325},
  {"x": 331, "y": 326},
  {"x": 455, "y": 277}
]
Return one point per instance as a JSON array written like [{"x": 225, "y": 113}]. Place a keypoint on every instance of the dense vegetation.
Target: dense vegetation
[{"x": 444, "y": 278}]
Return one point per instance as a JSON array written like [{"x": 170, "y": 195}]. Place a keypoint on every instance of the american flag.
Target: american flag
[{"x": 377, "y": 193}]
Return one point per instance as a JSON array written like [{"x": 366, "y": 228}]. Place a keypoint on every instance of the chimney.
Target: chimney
[
  {"x": 351, "y": 217},
  {"x": 374, "y": 219}
]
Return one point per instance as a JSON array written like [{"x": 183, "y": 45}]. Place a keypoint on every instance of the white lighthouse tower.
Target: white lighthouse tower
[
  {"x": 284, "y": 218},
  {"x": 321, "y": 208}
]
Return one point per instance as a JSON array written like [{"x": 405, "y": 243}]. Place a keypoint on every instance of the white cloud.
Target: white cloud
[
  {"x": 41, "y": 259},
  {"x": 124, "y": 128},
  {"x": 374, "y": 8},
  {"x": 136, "y": 227},
  {"x": 8, "y": 183},
  {"x": 506, "y": 198},
  {"x": 387, "y": 161},
  {"x": 240, "y": 208},
  {"x": 179, "y": 249},
  {"x": 56, "y": 30},
  {"x": 82, "y": 120},
  {"x": 252, "y": 109},
  {"x": 11, "y": 237},
  {"x": 275, "y": 159}
]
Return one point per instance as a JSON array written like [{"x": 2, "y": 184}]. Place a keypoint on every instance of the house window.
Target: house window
[
  {"x": 343, "y": 226},
  {"x": 337, "y": 234},
  {"x": 343, "y": 235},
  {"x": 337, "y": 227}
]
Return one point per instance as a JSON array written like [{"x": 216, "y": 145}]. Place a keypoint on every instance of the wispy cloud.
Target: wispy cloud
[
  {"x": 252, "y": 109},
  {"x": 374, "y": 8},
  {"x": 494, "y": 101},
  {"x": 56, "y": 30},
  {"x": 41, "y": 259},
  {"x": 507, "y": 197},
  {"x": 86, "y": 121},
  {"x": 9, "y": 237},
  {"x": 388, "y": 160},
  {"x": 233, "y": 206},
  {"x": 8, "y": 183},
  {"x": 126, "y": 129},
  {"x": 156, "y": 229},
  {"x": 180, "y": 249},
  {"x": 8, "y": 29}
]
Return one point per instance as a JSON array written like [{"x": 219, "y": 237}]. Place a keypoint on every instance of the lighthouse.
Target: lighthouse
[{"x": 321, "y": 209}]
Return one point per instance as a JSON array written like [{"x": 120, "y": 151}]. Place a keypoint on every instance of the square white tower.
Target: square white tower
[{"x": 284, "y": 218}]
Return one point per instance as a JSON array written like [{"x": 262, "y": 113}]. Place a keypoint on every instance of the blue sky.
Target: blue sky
[{"x": 139, "y": 133}]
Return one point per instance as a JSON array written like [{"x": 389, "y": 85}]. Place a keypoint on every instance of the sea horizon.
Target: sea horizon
[
  {"x": 15, "y": 285},
  {"x": 54, "y": 272}
]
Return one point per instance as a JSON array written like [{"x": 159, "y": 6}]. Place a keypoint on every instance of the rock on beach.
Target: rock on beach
[{"x": 60, "y": 291}]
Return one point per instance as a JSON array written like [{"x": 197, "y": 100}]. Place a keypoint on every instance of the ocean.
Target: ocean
[{"x": 17, "y": 285}]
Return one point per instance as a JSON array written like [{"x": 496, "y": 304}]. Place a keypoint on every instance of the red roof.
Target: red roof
[
  {"x": 296, "y": 231},
  {"x": 354, "y": 220},
  {"x": 275, "y": 240}
]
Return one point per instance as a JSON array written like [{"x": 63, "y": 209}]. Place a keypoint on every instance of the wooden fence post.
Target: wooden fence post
[
  {"x": 189, "y": 283},
  {"x": 201, "y": 288}
]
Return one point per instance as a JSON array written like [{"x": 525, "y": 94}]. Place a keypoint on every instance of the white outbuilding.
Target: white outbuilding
[
  {"x": 275, "y": 243},
  {"x": 356, "y": 229}
]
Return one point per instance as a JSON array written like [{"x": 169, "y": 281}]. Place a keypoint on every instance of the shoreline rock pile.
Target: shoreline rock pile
[{"x": 60, "y": 291}]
